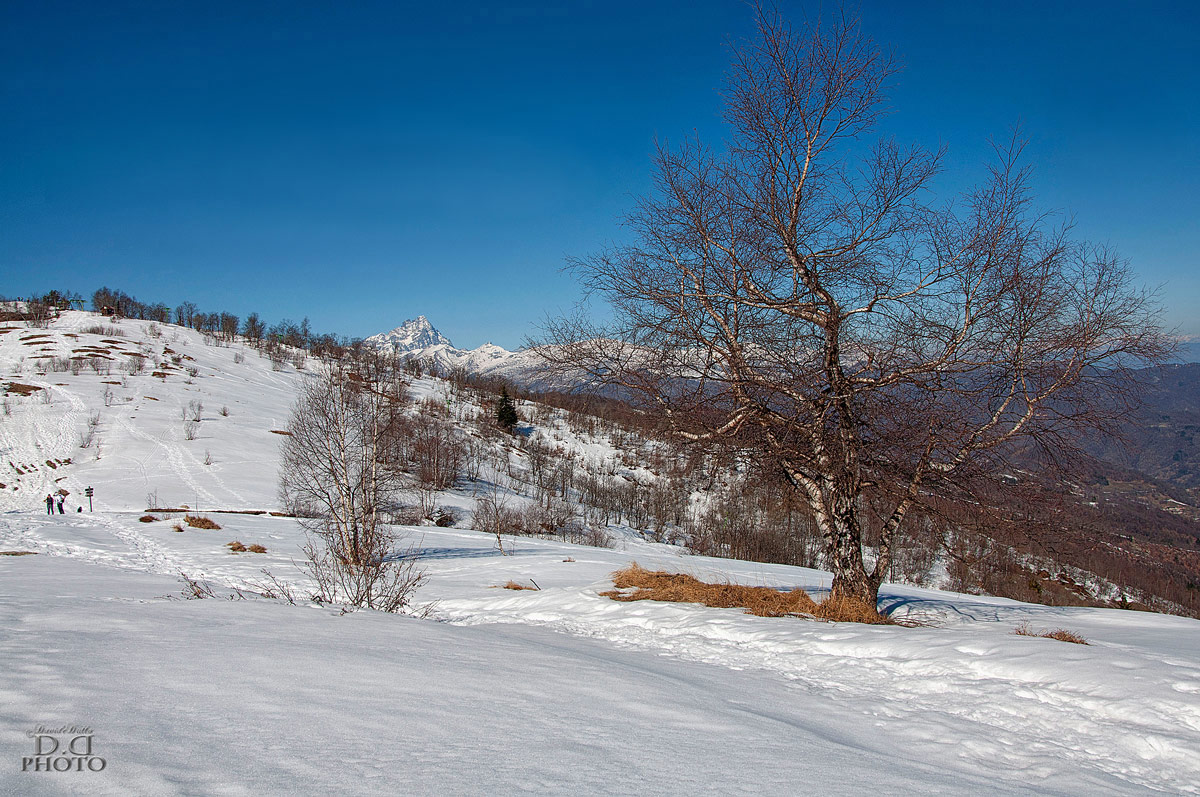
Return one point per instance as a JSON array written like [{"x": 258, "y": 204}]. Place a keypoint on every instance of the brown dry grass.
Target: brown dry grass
[
  {"x": 761, "y": 601},
  {"x": 1061, "y": 634},
  {"x": 147, "y": 519},
  {"x": 281, "y": 431},
  {"x": 200, "y": 522},
  {"x": 20, "y": 389},
  {"x": 256, "y": 548},
  {"x": 515, "y": 585},
  {"x": 18, "y": 553},
  {"x": 177, "y": 527},
  {"x": 235, "y": 546}
]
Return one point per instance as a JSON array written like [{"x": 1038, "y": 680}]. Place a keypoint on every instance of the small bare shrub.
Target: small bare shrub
[
  {"x": 134, "y": 364},
  {"x": 224, "y": 412},
  {"x": 1061, "y": 634},
  {"x": 103, "y": 331},
  {"x": 190, "y": 429}
]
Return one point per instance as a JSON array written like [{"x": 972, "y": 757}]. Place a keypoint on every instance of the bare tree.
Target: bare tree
[
  {"x": 339, "y": 471},
  {"x": 799, "y": 294}
]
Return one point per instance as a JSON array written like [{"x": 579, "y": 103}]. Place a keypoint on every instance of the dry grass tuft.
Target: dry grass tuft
[
  {"x": 681, "y": 588},
  {"x": 282, "y": 432},
  {"x": 850, "y": 610},
  {"x": 761, "y": 601},
  {"x": 515, "y": 585},
  {"x": 147, "y": 519},
  {"x": 21, "y": 390},
  {"x": 1061, "y": 634},
  {"x": 200, "y": 522},
  {"x": 237, "y": 547},
  {"x": 18, "y": 553},
  {"x": 177, "y": 527}
]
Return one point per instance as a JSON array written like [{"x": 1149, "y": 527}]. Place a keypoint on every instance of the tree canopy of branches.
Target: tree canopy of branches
[{"x": 800, "y": 293}]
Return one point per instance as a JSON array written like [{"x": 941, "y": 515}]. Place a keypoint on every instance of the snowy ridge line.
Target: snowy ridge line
[{"x": 1064, "y": 702}]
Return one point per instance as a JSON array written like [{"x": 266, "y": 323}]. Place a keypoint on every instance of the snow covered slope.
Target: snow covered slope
[
  {"x": 143, "y": 440},
  {"x": 549, "y": 691}
]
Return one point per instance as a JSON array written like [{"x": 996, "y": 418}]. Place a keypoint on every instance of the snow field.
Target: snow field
[{"x": 556, "y": 691}]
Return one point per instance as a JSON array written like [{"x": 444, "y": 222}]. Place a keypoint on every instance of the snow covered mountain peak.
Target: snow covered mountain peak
[
  {"x": 417, "y": 338},
  {"x": 413, "y": 335}
]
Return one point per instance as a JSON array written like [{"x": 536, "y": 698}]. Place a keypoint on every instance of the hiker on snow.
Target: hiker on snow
[
  {"x": 61, "y": 498},
  {"x": 49, "y": 504}
]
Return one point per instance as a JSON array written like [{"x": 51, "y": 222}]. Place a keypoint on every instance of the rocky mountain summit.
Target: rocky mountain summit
[{"x": 419, "y": 339}]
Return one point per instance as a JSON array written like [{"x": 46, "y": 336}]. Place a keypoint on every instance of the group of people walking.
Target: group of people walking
[{"x": 50, "y": 502}]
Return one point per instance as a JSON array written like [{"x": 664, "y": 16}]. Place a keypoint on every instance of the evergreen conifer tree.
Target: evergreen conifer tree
[{"x": 506, "y": 413}]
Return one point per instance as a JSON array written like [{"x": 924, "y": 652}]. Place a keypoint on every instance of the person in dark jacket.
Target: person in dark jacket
[{"x": 49, "y": 504}]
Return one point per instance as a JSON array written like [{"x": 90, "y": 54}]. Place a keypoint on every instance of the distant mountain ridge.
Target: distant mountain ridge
[{"x": 419, "y": 339}]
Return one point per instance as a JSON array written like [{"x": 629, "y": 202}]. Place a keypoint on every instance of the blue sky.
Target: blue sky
[{"x": 363, "y": 163}]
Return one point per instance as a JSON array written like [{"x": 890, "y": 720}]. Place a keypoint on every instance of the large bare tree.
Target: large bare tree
[
  {"x": 800, "y": 292},
  {"x": 340, "y": 471}
]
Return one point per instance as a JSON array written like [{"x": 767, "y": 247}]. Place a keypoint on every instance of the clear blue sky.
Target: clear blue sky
[{"x": 362, "y": 163}]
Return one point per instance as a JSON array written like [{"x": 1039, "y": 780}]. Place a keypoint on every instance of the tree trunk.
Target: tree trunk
[{"x": 844, "y": 552}]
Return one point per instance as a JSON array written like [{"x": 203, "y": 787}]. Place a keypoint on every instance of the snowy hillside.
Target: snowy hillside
[
  {"x": 163, "y": 413},
  {"x": 556, "y": 690}
]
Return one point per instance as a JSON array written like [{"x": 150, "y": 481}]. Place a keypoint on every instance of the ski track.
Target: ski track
[
  {"x": 139, "y": 552},
  {"x": 175, "y": 460}
]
